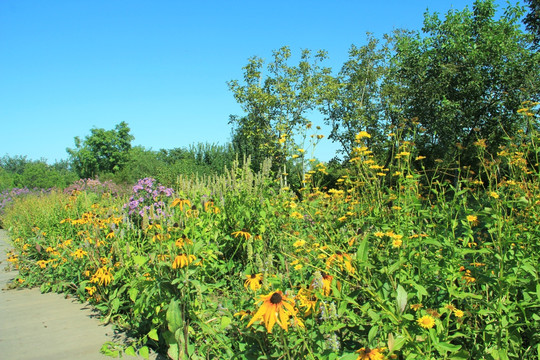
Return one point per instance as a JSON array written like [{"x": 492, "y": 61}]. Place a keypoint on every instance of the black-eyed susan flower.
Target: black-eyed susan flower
[
  {"x": 91, "y": 290},
  {"x": 275, "y": 308},
  {"x": 79, "y": 253},
  {"x": 307, "y": 301},
  {"x": 102, "y": 276},
  {"x": 244, "y": 233},
  {"x": 182, "y": 260},
  {"x": 42, "y": 263},
  {"x": 253, "y": 282},
  {"x": 370, "y": 354},
  {"x": 181, "y": 203},
  {"x": 342, "y": 260},
  {"x": 426, "y": 321}
]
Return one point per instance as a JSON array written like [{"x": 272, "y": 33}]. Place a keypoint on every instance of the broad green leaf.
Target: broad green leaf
[
  {"x": 225, "y": 321},
  {"x": 401, "y": 299},
  {"x": 174, "y": 316},
  {"x": 140, "y": 260},
  {"x": 447, "y": 347},
  {"x": 133, "y": 292},
  {"x": 153, "y": 334},
  {"x": 130, "y": 351},
  {"x": 372, "y": 333},
  {"x": 144, "y": 352}
]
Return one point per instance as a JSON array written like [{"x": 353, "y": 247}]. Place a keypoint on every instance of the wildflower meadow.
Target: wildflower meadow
[{"x": 393, "y": 262}]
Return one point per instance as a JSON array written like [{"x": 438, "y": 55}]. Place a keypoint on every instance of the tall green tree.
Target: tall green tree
[
  {"x": 466, "y": 75},
  {"x": 276, "y": 104},
  {"x": 351, "y": 100},
  {"x": 103, "y": 151}
]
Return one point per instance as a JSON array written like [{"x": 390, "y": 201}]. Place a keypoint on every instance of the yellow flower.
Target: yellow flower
[
  {"x": 416, "y": 307},
  {"x": 91, "y": 290},
  {"x": 42, "y": 263},
  {"x": 420, "y": 157},
  {"x": 396, "y": 243},
  {"x": 458, "y": 313},
  {"x": 79, "y": 253},
  {"x": 243, "y": 233},
  {"x": 299, "y": 243},
  {"x": 450, "y": 307},
  {"x": 472, "y": 219},
  {"x": 494, "y": 195},
  {"x": 182, "y": 260},
  {"x": 243, "y": 314},
  {"x": 102, "y": 276},
  {"x": 307, "y": 300},
  {"x": 370, "y": 354},
  {"x": 342, "y": 260},
  {"x": 253, "y": 281},
  {"x": 327, "y": 284},
  {"x": 426, "y": 321},
  {"x": 275, "y": 308},
  {"x": 181, "y": 203},
  {"x": 361, "y": 135}
]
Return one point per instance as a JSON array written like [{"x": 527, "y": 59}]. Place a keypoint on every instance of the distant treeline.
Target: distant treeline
[{"x": 163, "y": 165}]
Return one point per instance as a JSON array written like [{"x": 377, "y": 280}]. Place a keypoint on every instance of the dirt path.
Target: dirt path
[{"x": 47, "y": 326}]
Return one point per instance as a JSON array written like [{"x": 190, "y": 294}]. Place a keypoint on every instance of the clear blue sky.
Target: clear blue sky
[{"x": 67, "y": 66}]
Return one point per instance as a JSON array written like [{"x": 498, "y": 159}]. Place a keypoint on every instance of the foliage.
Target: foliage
[
  {"x": 101, "y": 151},
  {"x": 464, "y": 78},
  {"x": 413, "y": 267},
  {"x": 276, "y": 104},
  {"x": 352, "y": 99},
  {"x": 532, "y": 20},
  {"x": 19, "y": 171}
]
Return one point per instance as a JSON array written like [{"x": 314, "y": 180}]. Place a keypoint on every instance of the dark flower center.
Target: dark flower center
[
  {"x": 253, "y": 276},
  {"x": 276, "y": 298}
]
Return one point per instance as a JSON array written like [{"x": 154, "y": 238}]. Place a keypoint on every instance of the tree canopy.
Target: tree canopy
[{"x": 101, "y": 151}]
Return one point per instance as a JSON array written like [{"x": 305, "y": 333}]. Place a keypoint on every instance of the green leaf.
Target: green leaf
[
  {"x": 372, "y": 333},
  {"x": 362, "y": 254},
  {"x": 225, "y": 321},
  {"x": 350, "y": 356},
  {"x": 144, "y": 352},
  {"x": 173, "y": 351},
  {"x": 140, "y": 260},
  {"x": 133, "y": 292},
  {"x": 401, "y": 299},
  {"x": 130, "y": 351},
  {"x": 447, "y": 347},
  {"x": 153, "y": 334},
  {"x": 174, "y": 316}
]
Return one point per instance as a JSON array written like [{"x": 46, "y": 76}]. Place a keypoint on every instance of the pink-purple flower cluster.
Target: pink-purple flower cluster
[
  {"x": 147, "y": 199},
  {"x": 95, "y": 186},
  {"x": 7, "y": 196}
]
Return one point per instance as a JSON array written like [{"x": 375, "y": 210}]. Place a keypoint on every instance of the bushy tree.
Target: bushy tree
[
  {"x": 465, "y": 76},
  {"x": 103, "y": 151}
]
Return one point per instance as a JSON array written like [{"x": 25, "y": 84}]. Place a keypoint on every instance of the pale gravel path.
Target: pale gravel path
[{"x": 47, "y": 326}]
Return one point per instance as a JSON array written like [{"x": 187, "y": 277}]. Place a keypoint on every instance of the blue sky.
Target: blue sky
[{"x": 161, "y": 66}]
